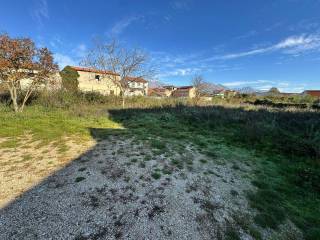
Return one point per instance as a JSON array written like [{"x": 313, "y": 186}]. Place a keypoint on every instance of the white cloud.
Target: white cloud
[
  {"x": 179, "y": 72},
  {"x": 56, "y": 42},
  {"x": 40, "y": 12},
  {"x": 186, "y": 65},
  {"x": 123, "y": 24},
  {"x": 246, "y": 83},
  {"x": 294, "y": 41},
  {"x": 310, "y": 24},
  {"x": 181, "y": 4},
  {"x": 291, "y": 45},
  {"x": 247, "y": 35},
  {"x": 64, "y": 60},
  {"x": 80, "y": 50}
]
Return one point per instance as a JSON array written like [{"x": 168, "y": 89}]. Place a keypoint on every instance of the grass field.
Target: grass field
[
  {"x": 285, "y": 146},
  {"x": 280, "y": 147}
]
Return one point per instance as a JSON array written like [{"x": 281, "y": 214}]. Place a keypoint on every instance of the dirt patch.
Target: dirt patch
[{"x": 31, "y": 162}]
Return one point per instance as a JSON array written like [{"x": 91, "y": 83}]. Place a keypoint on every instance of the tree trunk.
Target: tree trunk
[
  {"x": 15, "y": 104},
  {"x": 26, "y": 97},
  {"x": 13, "y": 95},
  {"x": 123, "y": 101}
]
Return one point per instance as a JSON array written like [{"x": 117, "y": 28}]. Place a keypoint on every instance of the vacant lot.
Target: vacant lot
[{"x": 160, "y": 173}]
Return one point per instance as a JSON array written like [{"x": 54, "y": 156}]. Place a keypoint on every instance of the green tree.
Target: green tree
[{"x": 69, "y": 78}]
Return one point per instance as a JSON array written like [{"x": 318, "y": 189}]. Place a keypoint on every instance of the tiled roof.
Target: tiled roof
[
  {"x": 83, "y": 69},
  {"x": 131, "y": 79},
  {"x": 156, "y": 92},
  {"x": 136, "y": 79},
  {"x": 314, "y": 93},
  {"x": 185, "y": 87}
]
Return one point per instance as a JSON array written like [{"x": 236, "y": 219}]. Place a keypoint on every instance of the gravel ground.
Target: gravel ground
[{"x": 120, "y": 189}]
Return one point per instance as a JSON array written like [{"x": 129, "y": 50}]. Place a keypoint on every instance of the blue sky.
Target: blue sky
[{"x": 255, "y": 43}]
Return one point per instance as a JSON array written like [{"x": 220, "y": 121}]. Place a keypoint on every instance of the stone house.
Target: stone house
[
  {"x": 172, "y": 91},
  {"x": 184, "y": 92},
  {"x": 104, "y": 82}
]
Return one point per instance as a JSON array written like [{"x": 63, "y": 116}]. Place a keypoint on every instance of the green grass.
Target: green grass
[
  {"x": 147, "y": 157},
  {"x": 232, "y": 234},
  {"x": 203, "y": 161},
  {"x": 158, "y": 144},
  {"x": 156, "y": 175},
  {"x": 79, "y": 179},
  {"x": 134, "y": 160},
  {"x": 48, "y": 125},
  {"x": 282, "y": 146}
]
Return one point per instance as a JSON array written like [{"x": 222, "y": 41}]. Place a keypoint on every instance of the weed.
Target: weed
[
  {"x": 234, "y": 192},
  {"x": 147, "y": 157},
  {"x": 203, "y": 161},
  {"x": 232, "y": 234},
  {"x": 158, "y": 144},
  {"x": 79, "y": 179},
  {"x": 167, "y": 170},
  {"x": 156, "y": 175},
  {"x": 235, "y": 166},
  {"x": 134, "y": 160},
  {"x": 189, "y": 161},
  {"x": 142, "y": 165}
]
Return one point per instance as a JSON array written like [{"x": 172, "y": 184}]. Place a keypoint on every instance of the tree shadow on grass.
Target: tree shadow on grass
[
  {"x": 76, "y": 201},
  {"x": 100, "y": 195},
  {"x": 287, "y": 179}
]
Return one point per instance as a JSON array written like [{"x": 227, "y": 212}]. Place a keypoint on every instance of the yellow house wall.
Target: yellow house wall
[
  {"x": 192, "y": 93},
  {"x": 54, "y": 83},
  {"x": 87, "y": 82}
]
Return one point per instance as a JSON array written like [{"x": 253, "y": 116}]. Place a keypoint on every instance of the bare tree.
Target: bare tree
[
  {"x": 200, "y": 87},
  {"x": 21, "y": 61},
  {"x": 110, "y": 58}
]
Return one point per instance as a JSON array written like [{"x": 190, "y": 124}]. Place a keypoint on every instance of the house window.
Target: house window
[
  {"x": 97, "y": 77},
  {"x": 111, "y": 92}
]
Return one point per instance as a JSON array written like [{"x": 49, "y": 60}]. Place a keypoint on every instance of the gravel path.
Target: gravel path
[{"x": 121, "y": 189}]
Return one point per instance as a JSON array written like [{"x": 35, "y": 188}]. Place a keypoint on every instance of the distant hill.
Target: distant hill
[
  {"x": 212, "y": 88},
  {"x": 247, "y": 90}
]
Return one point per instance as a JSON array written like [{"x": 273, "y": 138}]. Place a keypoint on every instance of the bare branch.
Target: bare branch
[{"x": 122, "y": 62}]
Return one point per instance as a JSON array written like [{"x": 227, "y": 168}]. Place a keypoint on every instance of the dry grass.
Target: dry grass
[{"x": 30, "y": 163}]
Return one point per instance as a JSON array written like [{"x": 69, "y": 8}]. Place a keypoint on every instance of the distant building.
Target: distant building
[
  {"x": 189, "y": 92},
  {"x": 137, "y": 87},
  {"x": 169, "y": 90},
  {"x": 104, "y": 82},
  {"x": 313, "y": 93},
  {"x": 185, "y": 92},
  {"x": 53, "y": 83},
  {"x": 218, "y": 93},
  {"x": 230, "y": 93},
  {"x": 172, "y": 91},
  {"x": 157, "y": 92},
  {"x": 225, "y": 93}
]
